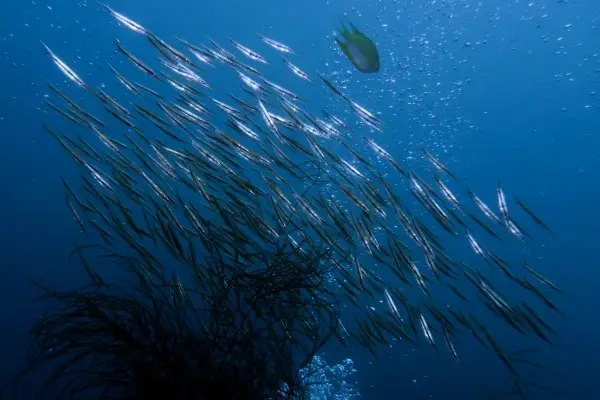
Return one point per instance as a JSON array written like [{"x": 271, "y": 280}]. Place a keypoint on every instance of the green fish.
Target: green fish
[{"x": 359, "y": 49}]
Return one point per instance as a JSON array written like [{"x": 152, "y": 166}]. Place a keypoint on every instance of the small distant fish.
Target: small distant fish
[
  {"x": 541, "y": 277},
  {"x": 297, "y": 71},
  {"x": 251, "y": 83},
  {"x": 137, "y": 62},
  {"x": 533, "y": 216},
  {"x": 331, "y": 86},
  {"x": 68, "y": 71},
  {"x": 484, "y": 207},
  {"x": 129, "y": 23},
  {"x": 251, "y": 54},
  {"x": 385, "y": 154},
  {"x": 124, "y": 81},
  {"x": 476, "y": 246},
  {"x": 365, "y": 115},
  {"x": 515, "y": 229},
  {"x": 502, "y": 206},
  {"x": 281, "y": 90},
  {"x": 448, "y": 193},
  {"x": 221, "y": 54},
  {"x": 438, "y": 164},
  {"x": 202, "y": 55},
  {"x": 276, "y": 45},
  {"x": 426, "y": 330},
  {"x": 336, "y": 120}
]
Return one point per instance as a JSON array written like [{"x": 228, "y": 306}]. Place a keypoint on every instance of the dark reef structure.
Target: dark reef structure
[{"x": 230, "y": 333}]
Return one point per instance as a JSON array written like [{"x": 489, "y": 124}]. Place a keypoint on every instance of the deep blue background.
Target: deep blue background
[{"x": 507, "y": 89}]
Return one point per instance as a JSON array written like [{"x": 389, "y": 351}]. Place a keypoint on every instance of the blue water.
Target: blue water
[{"x": 505, "y": 90}]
